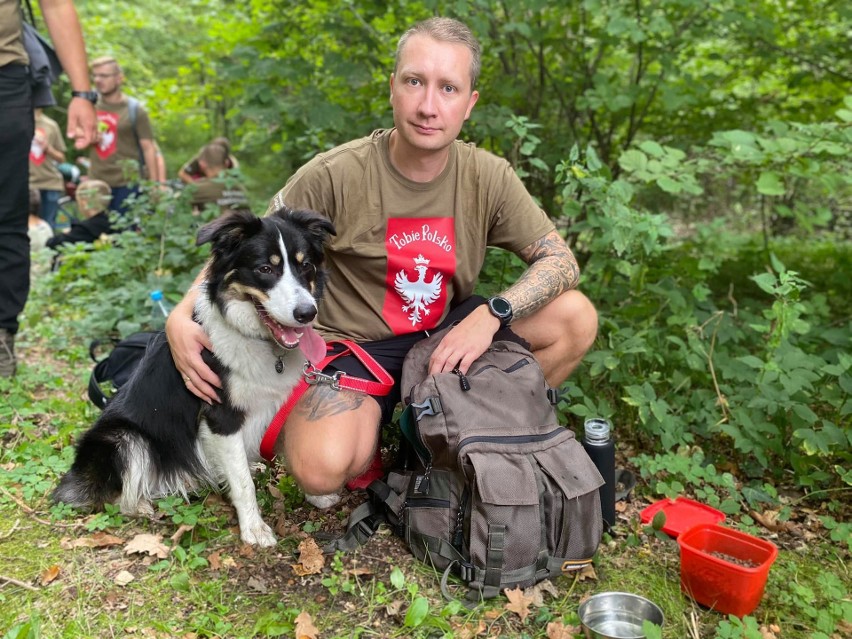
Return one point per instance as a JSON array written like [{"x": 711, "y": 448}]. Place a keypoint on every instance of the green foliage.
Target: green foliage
[
  {"x": 103, "y": 288},
  {"x": 762, "y": 381}
]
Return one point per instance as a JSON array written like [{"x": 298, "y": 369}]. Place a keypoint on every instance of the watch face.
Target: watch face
[{"x": 500, "y": 307}]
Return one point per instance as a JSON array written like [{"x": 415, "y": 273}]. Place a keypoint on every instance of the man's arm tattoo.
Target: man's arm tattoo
[
  {"x": 553, "y": 270},
  {"x": 323, "y": 401}
]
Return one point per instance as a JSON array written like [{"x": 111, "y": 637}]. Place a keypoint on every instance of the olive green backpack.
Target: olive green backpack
[{"x": 494, "y": 489}]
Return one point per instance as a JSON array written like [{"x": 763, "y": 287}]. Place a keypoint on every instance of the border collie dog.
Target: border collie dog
[{"x": 155, "y": 438}]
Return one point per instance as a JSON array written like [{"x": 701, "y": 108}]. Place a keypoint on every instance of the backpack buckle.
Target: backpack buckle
[
  {"x": 553, "y": 396},
  {"x": 429, "y": 406},
  {"x": 466, "y": 572}
]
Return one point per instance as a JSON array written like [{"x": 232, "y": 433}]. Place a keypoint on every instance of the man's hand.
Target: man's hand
[
  {"x": 186, "y": 341},
  {"x": 82, "y": 123},
  {"x": 465, "y": 342}
]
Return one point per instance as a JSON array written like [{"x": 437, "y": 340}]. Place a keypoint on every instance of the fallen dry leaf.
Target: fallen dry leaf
[
  {"x": 469, "y": 631},
  {"x": 766, "y": 633},
  {"x": 257, "y": 584},
  {"x": 147, "y": 544},
  {"x": 769, "y": 520},
  {"x": 305, "y": 628},
  {"x": 558, "y": 630},
  {"x": 394, "y": 607},
  {"x": 215, "y": 560},
  {"x": 179, "y": 533},
  {"x": 311, "y": 560},
  {"x": 587, "y": 572},
  {"x": 519, "y": 603},
  {"x": 98, "y": 540},
  {"x": 536, "y": 593},
  {"x": 49, "y": 574},
  {"x": 123, "y": 578}
]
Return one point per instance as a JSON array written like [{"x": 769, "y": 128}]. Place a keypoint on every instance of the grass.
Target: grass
[{"x": 210, "y": 586}]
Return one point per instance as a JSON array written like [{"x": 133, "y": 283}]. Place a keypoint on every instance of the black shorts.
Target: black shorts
[{"x": 390, "y": 354}]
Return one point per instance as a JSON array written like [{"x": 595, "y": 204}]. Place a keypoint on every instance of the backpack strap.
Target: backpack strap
[
  {"x": 383, "y": 507},
  {"x": 133, "y": 112},
  {"x": 95, "y": 393}
]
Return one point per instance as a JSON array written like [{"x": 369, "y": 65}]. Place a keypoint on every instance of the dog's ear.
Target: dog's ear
[
  {"x": 234, "y": 225},
  {"x": 315, "y": 224}
]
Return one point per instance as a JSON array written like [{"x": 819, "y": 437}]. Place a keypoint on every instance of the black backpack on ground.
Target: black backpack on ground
[
  {"x": 116, "y": 367},
  {"x": 495, "y": 491}
]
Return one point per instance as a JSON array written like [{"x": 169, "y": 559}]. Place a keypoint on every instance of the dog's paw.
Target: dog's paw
[
  {"x": 259, "y": 534},
  {"x": 323, "y": 501}
]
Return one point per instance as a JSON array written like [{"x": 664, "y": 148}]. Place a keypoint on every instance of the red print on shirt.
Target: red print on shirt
[
  {"x": 421, "y": 263},
  {"x": 107, "y": 134},
  {"x": 38, "y": 147}
]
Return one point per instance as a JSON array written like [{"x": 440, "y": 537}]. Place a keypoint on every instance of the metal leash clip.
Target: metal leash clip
[{"x": 314, "y": 376}]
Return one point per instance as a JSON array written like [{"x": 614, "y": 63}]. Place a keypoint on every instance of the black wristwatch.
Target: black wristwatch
[
  {"x": 501, "y": 309},
  {"x": 91, "y": 96}
]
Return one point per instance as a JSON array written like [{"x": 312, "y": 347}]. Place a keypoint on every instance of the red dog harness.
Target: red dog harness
[{"x": 313, "y": 375}]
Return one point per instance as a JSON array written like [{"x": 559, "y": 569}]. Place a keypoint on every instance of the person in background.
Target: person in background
[
  {"x": 120, "y": 140},
  {"x": 46, "y": 151},
  {"x": 93, "y": 200},
  {"x": 212, "y": 189},
  {"x": 17, "y": 127},
  {"x": 38, "y": 230},
  {"x": 191, "y": 171},
  {"x": 414, "y": 209}
]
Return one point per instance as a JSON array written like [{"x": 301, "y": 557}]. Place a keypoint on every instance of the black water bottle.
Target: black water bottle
[{"x": 598, "y": 442}]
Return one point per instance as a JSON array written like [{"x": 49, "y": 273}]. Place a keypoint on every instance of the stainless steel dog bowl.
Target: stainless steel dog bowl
[{"x": 617, "y": 615}]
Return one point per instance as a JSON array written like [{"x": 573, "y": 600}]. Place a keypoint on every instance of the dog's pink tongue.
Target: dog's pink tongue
[{"x": 312, "y": 345}]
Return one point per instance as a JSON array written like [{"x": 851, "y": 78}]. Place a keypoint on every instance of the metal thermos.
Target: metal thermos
[{"x": 598, "y": 442}]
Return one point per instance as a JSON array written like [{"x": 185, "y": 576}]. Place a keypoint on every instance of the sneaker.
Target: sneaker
[
  {"x": 7, "y": 353},
  {"x": 323, "y": 501}
]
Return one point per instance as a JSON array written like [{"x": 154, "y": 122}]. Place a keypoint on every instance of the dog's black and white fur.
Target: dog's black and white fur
[{"x": 156, "y": 438}]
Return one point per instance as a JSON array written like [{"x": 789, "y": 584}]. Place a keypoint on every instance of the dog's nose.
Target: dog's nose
[{"x": 305, "y": 313}]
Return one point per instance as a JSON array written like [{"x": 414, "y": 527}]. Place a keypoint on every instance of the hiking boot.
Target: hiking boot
[{"x": 7, "y": 353}]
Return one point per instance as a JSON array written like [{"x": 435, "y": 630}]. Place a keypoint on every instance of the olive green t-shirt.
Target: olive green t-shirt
[
  {"x": 405, "y": 251},
  {"x": 117, "y": 143},
  {"x": 209, "y": 191},
  {"x": 43, "y": 172},
  {"x": 11, "y": 39}
]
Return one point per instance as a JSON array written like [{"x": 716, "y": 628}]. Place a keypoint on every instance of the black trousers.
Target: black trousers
[{"x": 17, "y": 127}]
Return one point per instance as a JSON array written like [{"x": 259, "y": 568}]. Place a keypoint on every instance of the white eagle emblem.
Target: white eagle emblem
[{"x": 420, "y": 294}]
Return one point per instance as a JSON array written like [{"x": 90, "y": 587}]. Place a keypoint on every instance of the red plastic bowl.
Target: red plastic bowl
[{"x": 720, "y": 583}]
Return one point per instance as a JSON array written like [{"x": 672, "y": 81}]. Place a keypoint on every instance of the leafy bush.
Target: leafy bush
[
  {"x": 103, "y": 288},
  {"x": 762, "y": 382}
]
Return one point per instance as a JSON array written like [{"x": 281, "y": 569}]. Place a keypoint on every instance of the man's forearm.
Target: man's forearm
[
  {"x": 552, "y": 270},
  {"x": 63, "y": 24}
]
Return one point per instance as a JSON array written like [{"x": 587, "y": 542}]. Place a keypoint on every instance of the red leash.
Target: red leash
[{"x": 313, "y": 375}]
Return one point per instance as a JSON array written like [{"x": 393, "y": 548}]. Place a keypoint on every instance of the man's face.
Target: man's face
[
  {"x": 431, "y": 92},
  {"x": 107, "y": 78}
]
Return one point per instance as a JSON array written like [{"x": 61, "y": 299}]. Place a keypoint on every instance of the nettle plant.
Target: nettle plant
[{"x": 762, "y": 381}]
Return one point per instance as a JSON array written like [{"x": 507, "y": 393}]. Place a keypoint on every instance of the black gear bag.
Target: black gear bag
[{"x": 116, "y": 367}]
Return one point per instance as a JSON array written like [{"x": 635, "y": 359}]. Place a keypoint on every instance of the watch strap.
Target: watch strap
[{"x": 91, "y": 96}]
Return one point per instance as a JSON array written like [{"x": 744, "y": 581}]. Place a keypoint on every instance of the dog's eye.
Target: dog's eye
[
  {"x": 266, "y": 269},
  {"x": 308, "y": 268}
]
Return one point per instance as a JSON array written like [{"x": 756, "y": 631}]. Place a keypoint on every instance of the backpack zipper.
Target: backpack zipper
[
  {"x": 509, "y": 439},
  {"x": 458, "y": 533}
]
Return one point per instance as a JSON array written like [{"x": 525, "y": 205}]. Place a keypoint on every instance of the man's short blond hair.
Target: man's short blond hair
[
  {"x": 445, "y": 30},
  {"x": 94, "y": 192},
  {"x": 105, "y": 60}
]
